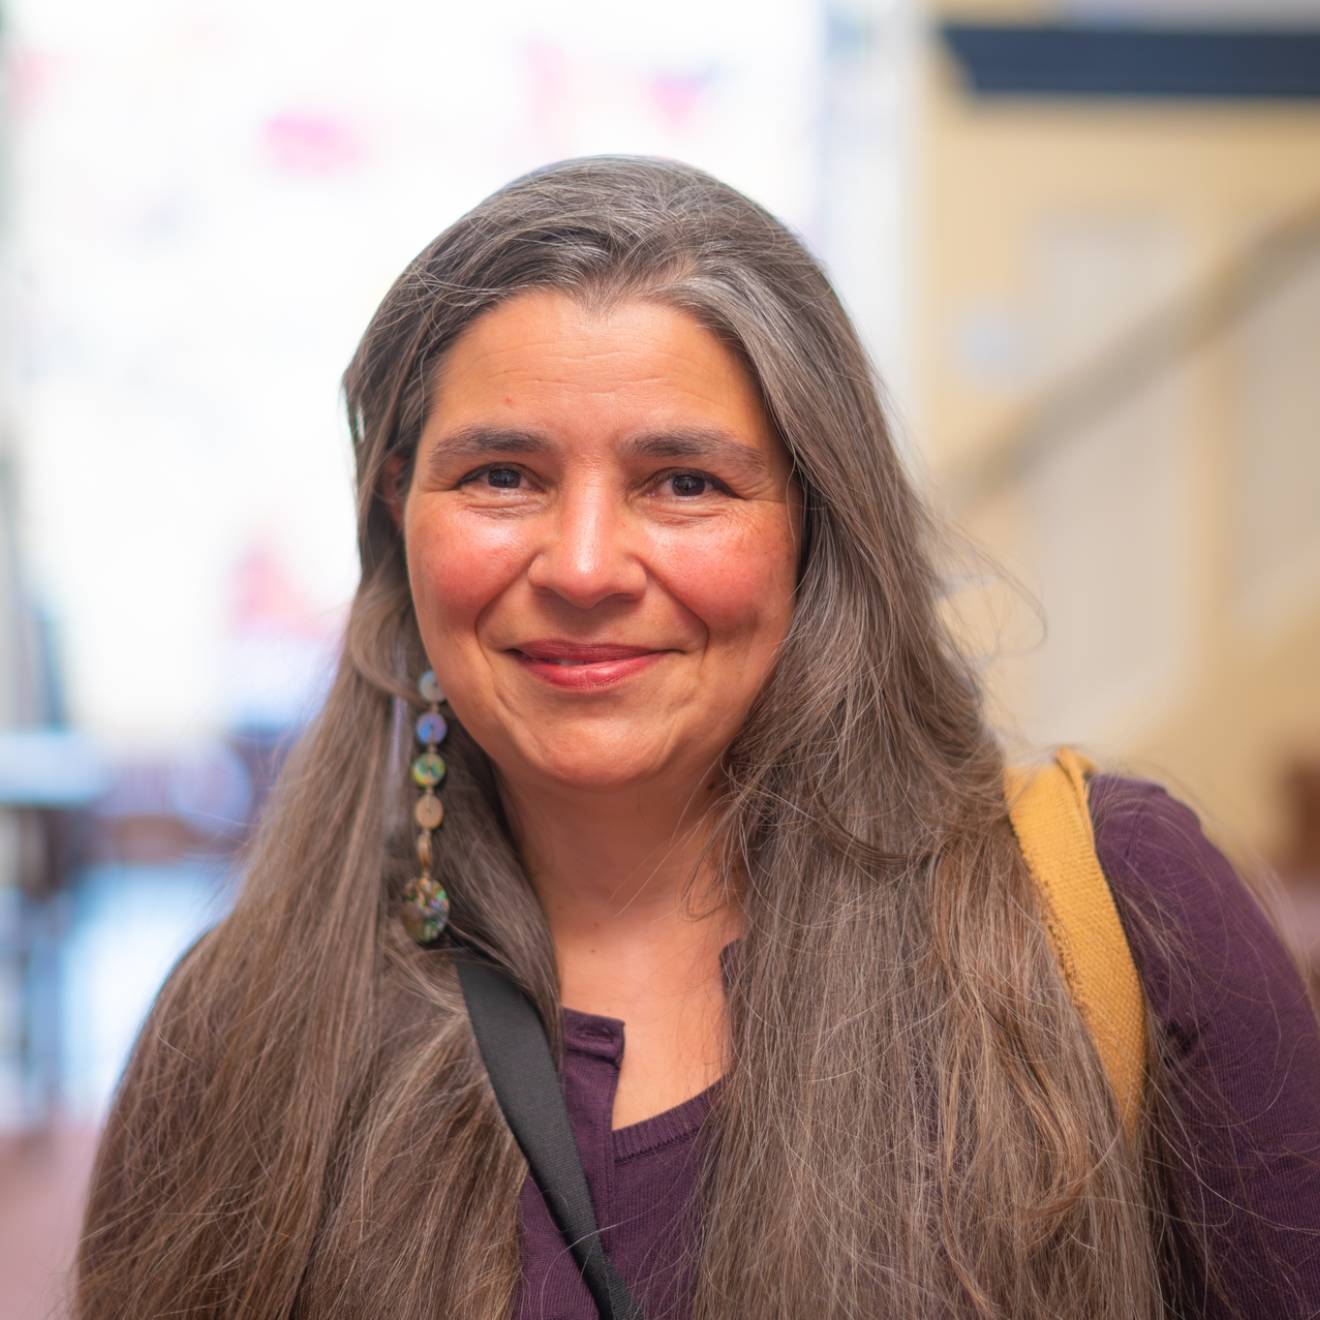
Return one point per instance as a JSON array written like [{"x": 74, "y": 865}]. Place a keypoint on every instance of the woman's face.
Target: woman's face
[{"x": 602, "y": 541}]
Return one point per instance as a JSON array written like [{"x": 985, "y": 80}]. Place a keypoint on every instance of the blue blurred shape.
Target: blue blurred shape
[
  {"x": 50, "y": 769},
  {"x": 1137, "y": 61}
]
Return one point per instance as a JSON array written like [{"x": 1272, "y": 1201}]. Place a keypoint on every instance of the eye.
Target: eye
[
  {"x": 690, "y": 485},
  {"x": 494, "y": 477}
]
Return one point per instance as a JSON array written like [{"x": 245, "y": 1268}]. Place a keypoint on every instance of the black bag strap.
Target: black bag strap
[{"x": 514, "y": 1048}]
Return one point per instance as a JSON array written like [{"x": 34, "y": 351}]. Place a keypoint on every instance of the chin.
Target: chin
[
  {"x": 578, "y": 760},
  {"x": 598, "y": 774}
]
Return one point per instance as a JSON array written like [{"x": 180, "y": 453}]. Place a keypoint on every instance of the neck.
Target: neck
[{"x": 627, "y": 893}]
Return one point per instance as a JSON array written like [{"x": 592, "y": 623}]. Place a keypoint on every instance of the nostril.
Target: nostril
[{"x": 585, "y": 579}]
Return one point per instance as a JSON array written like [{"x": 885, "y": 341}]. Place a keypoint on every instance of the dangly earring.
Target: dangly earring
[{"x": 425, "y": 903}]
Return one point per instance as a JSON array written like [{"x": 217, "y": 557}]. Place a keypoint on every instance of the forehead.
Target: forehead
[{"x": 544, "y": 359}]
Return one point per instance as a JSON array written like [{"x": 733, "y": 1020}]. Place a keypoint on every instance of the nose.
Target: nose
[{"x": 587, "y": 554}]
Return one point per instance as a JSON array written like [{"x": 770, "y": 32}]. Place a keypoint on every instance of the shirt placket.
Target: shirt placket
[{"x": 595, "y": 1047}]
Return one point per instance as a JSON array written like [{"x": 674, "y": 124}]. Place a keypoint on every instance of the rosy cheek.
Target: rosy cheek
[
  {"x": 736, "y": 580},
  {"x": 459, "y": 566}
]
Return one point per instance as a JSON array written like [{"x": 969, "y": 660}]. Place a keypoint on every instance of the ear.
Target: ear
[{"x": 392, "y": 488}]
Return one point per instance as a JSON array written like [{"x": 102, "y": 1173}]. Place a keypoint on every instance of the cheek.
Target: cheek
[
  {"x": 739, "y": 583},
  {"x": 456, "y": 572}
]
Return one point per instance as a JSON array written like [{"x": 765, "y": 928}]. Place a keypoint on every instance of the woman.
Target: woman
[{"x": 720, "y": 786}]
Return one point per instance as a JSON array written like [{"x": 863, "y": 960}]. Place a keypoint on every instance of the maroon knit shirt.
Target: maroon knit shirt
[{"x": 1236, "y": 1025}]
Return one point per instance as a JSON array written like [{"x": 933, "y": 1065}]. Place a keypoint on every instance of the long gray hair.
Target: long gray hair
[{"x": 914, "y": 1121}]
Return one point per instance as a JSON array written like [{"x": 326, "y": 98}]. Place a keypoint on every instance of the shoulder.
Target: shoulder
[
  {"x": 1203, "y": 943},
  {"x": 1237, "y": 1042}
]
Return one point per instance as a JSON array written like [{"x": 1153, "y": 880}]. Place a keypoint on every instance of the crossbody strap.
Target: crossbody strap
[
  {"x": 1049, "y": 809},
  {"x": 514, "y": 1048}
]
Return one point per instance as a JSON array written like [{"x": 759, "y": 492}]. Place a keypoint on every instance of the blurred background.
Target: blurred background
[{"x": 1081, "y": 238}]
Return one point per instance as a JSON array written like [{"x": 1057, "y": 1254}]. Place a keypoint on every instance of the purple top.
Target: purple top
[{"x": 1237, "y": 1027}]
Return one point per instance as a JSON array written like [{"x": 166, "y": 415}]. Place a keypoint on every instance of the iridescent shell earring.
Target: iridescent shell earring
[{"x": 425, "y": 903}]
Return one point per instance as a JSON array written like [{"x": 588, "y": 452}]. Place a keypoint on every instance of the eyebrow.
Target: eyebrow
[{"x": 686, "y": 443}]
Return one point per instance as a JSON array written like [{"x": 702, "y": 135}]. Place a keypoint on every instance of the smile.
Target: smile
[{"x": 579, "y": 666}]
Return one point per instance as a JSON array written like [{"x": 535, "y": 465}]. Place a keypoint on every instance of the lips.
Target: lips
[
  {"x": 580, "y": 653},
  {"x": 584, "y": 667}
]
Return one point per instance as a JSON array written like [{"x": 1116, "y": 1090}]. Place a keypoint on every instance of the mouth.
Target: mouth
[
  {"x": 583, "y": 665},
  {"x": 580, "y": 653}
]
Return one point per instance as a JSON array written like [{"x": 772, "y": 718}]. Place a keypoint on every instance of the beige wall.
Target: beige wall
[{"x": 1174, "y": 539}]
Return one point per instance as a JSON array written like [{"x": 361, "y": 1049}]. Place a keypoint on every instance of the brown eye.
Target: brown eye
[
  {"x": 689, "y": 483},
  {"x": 494, "y": 478}
]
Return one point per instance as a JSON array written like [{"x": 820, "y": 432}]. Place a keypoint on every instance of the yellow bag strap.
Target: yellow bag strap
[{"x": 1052, "y": 821}]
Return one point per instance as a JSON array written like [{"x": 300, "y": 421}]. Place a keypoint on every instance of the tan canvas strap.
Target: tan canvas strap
[{"x": 1051, "y": 818}]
